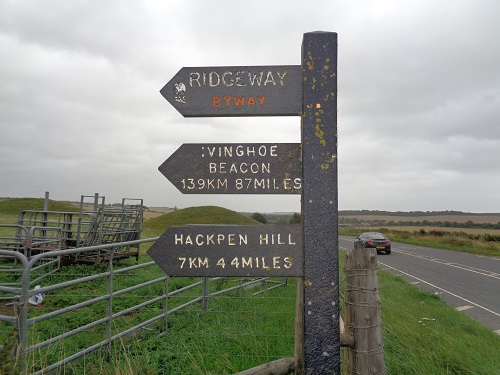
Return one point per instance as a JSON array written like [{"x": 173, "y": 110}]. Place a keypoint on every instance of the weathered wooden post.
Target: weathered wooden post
[
  {"x": 362, "y": 313},
  {"x": 319, "y": 204}
]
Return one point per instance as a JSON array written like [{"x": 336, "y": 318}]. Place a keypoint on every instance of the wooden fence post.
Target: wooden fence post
[{"x": 362, "y": 314}]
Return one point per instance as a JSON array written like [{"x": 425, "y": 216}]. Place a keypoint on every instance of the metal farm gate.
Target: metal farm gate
[
  {"x": 126, "y": 299},
  {"x": 99, "y": 224}
]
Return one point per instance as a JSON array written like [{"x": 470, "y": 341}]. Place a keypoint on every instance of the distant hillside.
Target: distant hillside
[
  {"x": 273, "y": 217},
  {"x": 198, "y": 215},
  {"x": 14, "y": 205},
  {"x": 411, "y": 213}
]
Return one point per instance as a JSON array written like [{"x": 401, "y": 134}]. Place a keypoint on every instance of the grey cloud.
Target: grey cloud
[{"x": 419, "y": 92}]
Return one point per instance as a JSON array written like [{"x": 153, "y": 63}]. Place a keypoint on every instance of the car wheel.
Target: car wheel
[{"x": 387, "y": 252}]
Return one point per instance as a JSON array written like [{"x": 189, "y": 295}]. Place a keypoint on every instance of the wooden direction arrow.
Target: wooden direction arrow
[
  {"x": 237, "y": 250},
  {"x": 236, "y": 91},
  {"x": 248, "y": 168}
]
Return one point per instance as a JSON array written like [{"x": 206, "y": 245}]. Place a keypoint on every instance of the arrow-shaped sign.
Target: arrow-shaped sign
[
  {"x": 234, "y": 250},
  {"x": 236, "y": 91},
  {"x": 247, "y": 168}
]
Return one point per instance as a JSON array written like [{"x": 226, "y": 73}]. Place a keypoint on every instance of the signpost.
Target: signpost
[
  {"x": 319, "y": 204},
  {"x": 235, "y": 250},
  {"x": 236, "y": 91},
  {"x": 308, "y": 90},
  {"x": 247, "y": 168}
]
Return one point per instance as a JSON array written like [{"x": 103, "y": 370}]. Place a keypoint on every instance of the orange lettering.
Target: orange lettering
[
  {"x": 227, "y": 99},
  {"x": 216, "y": 101},
  {"x": 261, "y": 99},
  {"x": 251, "y": 101},
  {"x": 239, "y": 101}
]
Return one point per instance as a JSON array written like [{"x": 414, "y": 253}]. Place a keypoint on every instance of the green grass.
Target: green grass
[
  {"x": 79, "y": 293},
  {"x": 198, "y": 215},
  {"x": 421, "y": 334},
  {"x": 239, "y": 331},
  {"x": 10, "y": 209},
  {"x": 15, "y": 205}
]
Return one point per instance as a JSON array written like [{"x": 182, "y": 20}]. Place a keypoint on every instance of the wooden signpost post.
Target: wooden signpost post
[
  {"x": 319, "y": 204},
  {"x": 309, "y": 252}
]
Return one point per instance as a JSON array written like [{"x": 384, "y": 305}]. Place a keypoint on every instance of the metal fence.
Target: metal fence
[
  {"x": 93, "y": 306},
  {"x": 96, "y": 225}
]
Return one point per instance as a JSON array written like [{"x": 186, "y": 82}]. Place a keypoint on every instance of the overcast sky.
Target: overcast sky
[{"x": 418, "y": 99}]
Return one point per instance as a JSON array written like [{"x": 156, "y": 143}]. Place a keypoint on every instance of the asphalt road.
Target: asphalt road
[{"x": 469, "y": 283}]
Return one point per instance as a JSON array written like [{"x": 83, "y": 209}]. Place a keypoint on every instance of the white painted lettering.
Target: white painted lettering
[
  {"x": 192, "y": 263},
  {"x": 205, "y": 184},
  {"x": 297, "y": 183},
  {"x": 239, "y": 78},
  {"x": 210, "y": 239},
  {"x": 203, "y": 262},
  {"x": 230, "y": 81},
  {"x": 273, "y": 150},
  {"x": 269, "y": 78},
  {"x": 194, "y": 77},
  {"x": 213, "y": 79},
  {"x": 263, "y": 264},
  {"x": 254, "y": 79},
  {"x": 279, "y": 240},
  {"x": 246, "y": 262},
  {"x": 282, "y": 77},
  {"x": 243, "y": 238},
  {"x": 259, "y": 184},
  {"x": 286, "y": 183},
  {"x": 234, "y": 170},
  {"x": 178, "y": 239},
  {"x": 199, "y": 239}
]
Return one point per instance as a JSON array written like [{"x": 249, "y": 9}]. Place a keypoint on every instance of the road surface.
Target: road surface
[{"x": 469, "y": 283}]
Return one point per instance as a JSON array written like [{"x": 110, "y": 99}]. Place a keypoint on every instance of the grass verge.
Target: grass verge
[{"x": 423, "y": 335}]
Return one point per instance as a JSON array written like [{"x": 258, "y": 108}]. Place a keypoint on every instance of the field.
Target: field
[
  {"x": 408, "y": 228},
  {"x": 422, "y": 335},
  {"x": 152, "y": 212},
  {"x": 459, "y": 218}
]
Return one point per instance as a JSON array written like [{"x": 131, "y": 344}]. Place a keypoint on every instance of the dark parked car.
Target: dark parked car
[{"x": 373, "y": 240}]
